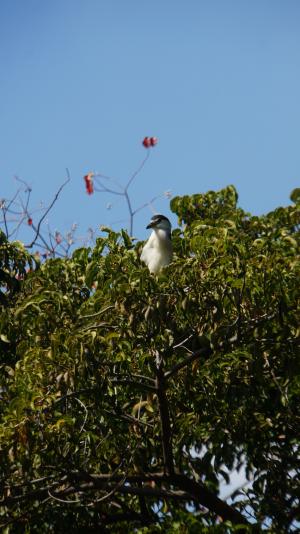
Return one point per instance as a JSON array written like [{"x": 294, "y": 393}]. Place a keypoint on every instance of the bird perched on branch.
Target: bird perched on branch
[{"x": 158, "y": 250}]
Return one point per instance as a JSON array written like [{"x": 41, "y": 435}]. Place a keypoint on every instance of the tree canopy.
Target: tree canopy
[{"x": 128, "y": 398}]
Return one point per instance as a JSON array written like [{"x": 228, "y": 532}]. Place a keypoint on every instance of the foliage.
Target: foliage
[{"x": 128, "y": 398}]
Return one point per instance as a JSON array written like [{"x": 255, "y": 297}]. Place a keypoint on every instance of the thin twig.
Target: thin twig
[
  {"x": 137, "y": 171},
  {"x": 149, "y": 203}
]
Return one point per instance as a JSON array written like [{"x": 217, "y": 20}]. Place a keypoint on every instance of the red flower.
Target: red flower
[
  {"x": 29, "y": 221},
  {"x": 89, "y": 185},
  {"x": 149, "y": 141}
]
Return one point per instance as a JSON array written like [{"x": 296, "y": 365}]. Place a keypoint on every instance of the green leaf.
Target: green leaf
[{"x": 295, "y": 195}]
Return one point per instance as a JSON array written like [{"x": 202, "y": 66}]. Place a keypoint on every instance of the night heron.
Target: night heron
[{"x": 158, "y": 250}]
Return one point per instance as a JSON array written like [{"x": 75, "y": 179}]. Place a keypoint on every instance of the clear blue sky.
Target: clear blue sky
[{"x": 83, "y": 81}]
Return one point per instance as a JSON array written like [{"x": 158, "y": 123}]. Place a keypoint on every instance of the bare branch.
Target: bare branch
[
  {"x": 137, "y": 171},
  {"x": 5, "y": 221},
  {"x": 37, "y": 230},
  {"x": 27, "y": 186},
  {"x": 146, "y": 204},
  {"x": 105, "y": 189},
  {"x": 109, "y": 178},
  {"x": 6, "y": 209},
  {"x": 123, "y": 190}
]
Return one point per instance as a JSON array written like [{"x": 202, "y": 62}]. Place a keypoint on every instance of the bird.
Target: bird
[{"x": 158, "y": 250}]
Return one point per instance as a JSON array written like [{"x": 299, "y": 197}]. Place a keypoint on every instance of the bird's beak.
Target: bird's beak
[{"x": 151, "y": 225}]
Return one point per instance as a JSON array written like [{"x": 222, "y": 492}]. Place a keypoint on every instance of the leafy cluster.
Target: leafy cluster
[{"x": 127, "y": 399}]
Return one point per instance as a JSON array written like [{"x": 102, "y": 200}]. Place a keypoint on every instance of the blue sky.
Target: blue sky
[{"x": 83, "y": 81}]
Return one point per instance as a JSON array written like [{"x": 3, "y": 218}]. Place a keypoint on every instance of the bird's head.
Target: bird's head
[{"x": 160, "y": 222}]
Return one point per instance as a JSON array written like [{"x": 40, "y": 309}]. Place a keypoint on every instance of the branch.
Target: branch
[
  {"x": 5, "y": 221},
  {"x": 205, "y": 351},
  {"x": 129, "y": 418},
  {"x": 208, "y": 499},
  {"x": 97, "y": 313},
  {"x": 111, "y": 492},
  {"x": 37, "y": 234},
  {"x": 136, "y": 172},
  {"x": 134, "y": 383},
  {"x": 181, "y": 344},
  {"x": 187, "y": 490},
  {"x": 129, "y": 517},
  {"x": 143, "y": 377},
  {"x": 99, "y": 325},
  {"x": 85, "y": 414},
  {"x": 74, "y": 394},
  {"x": 149, "y": 203},
  {"x": 82, "y": 482},
  {"x": 164, "y": 416},
  {"x": 5, "y": 210},
  {"x": 123, "y": 190}
]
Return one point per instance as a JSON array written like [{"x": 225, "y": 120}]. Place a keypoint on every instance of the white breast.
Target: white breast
[{"x": 157, "y": 252}]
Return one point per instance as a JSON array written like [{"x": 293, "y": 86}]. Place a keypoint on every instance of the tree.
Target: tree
[
  {"x": 127, "y": 398},
  {"x": 19, "y": 216}
]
